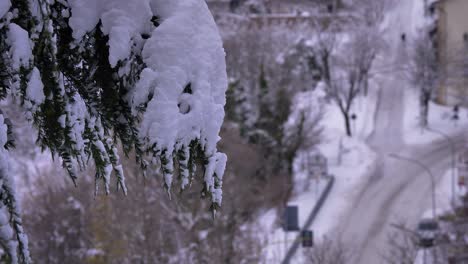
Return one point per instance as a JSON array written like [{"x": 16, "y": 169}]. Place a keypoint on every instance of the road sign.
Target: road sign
[
  {"x": 307, "y": 237},
  {"x": 291, "y": 218}
]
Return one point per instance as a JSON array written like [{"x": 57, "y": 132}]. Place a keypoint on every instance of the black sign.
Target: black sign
[
  {"x": 291, "y": 219},
  {"x": 307, "y": 237}
]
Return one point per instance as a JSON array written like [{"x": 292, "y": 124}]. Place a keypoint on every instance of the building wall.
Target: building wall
[{"x": 452, "y": 27}]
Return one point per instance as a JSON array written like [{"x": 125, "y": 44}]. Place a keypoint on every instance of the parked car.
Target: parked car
[{"x": 428, "y": 231}]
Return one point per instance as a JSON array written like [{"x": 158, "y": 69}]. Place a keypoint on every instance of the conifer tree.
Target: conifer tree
[{"x": 79, "y": 71}]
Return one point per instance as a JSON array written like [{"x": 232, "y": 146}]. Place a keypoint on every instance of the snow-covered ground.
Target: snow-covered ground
[
  {"x": 443, "y": 198},
  {"x": 443, "y": 195},
  {"x": 357, "y": 162},
  {"x": 440, "y": 119},
  {"x": 277, "y": 242},
  {"x": 350, "y": 160},
  {"x": 362, "y": 127}
]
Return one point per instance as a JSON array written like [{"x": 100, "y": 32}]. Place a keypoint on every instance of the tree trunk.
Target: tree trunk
[
  {"x": 348, "y": 124},
  {"x": 326, "y": 73},
  {"x": 424, "y": 111},
  {"x": 366, "y": 85}
]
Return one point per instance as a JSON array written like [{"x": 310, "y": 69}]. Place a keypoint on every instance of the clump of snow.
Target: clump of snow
[
  {"x": 4, "y": 7},
  {"x": 34, "y": 93},
  {"x": 107, "y": 167},
  {"x": 184, "y": 50},
  {"x": 77, "y": 116},
  {"x": 93, "y": 252},
  {"x": 86, "y": 15},
  {"x": 123, "y": 21},
  {"x": 35, "y": 89},
  {"x": 20, "y": 48},
  {"x": 216, "y": 166}
]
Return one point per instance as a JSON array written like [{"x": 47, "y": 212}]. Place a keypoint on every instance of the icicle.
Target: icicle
[{"x": 184, "y": 156}]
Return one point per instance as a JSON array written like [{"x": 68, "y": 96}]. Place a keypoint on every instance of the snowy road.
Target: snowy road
[{"x": 398, "y": 191}]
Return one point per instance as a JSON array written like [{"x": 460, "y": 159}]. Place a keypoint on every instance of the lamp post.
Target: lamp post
[
  {"x": 420, "y": 164},
  {"x": 452, "y": 146}
]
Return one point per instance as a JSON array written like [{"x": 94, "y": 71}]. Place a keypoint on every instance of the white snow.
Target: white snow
[
  {"x": 35, "y": 89},
  {"x": 364, "y": 108},
  {"x": 7, "y": 185},
  {"x": 359, "y": 160},
  {"x": 76, "y": 117},
  {"x": 276, "y": 239},
  {"x": 443, "y": 194},
  {"x": 107, "y": 165},
  {"x": 443, "y": 197},
  {"x": 357, "y": 163},
  {"x": 440, "y": 119},
  {"x": 20, "y": 48},
  {"x": 184, "y": 50},
  {"x": 4, "y": 7},
  {"x": 123, "y": 21},
  {"x": 85, "y": 16}
]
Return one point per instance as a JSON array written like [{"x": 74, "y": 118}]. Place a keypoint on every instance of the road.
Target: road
[{"x": 398, "y": 191}]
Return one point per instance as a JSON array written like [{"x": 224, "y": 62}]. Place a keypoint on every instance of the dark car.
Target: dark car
[{"x": 428, "y": 231}]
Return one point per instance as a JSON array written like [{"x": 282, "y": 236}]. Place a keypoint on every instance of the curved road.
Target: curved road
[{"x": 398, "y": 191}]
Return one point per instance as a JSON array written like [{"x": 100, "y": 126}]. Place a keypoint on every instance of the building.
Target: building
[{"x": 452, "y": 48}]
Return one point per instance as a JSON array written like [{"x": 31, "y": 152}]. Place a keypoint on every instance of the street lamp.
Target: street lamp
[
  {"x": 420, "y": 164},
  {"x": 452, "y": 146}
]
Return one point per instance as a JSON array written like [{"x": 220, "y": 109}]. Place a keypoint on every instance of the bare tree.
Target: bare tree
[
  {"x": 351, "y": 70},
  {"x": 368, "y": 14},
  {"x": 325, "y": 45},
  {"x": 300, "y": 68},
  {"x": 367, "y": 44},
  {"x": 303, "y": 133},
  {"x": 268, "y": 77},
  {"x": 424, "y": 72},
  {"x": 372, "y": 12},
  {"x": 402, "y": 245}
]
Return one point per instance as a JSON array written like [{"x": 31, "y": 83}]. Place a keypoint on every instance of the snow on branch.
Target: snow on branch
[{"x": 93, "y": 76}]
